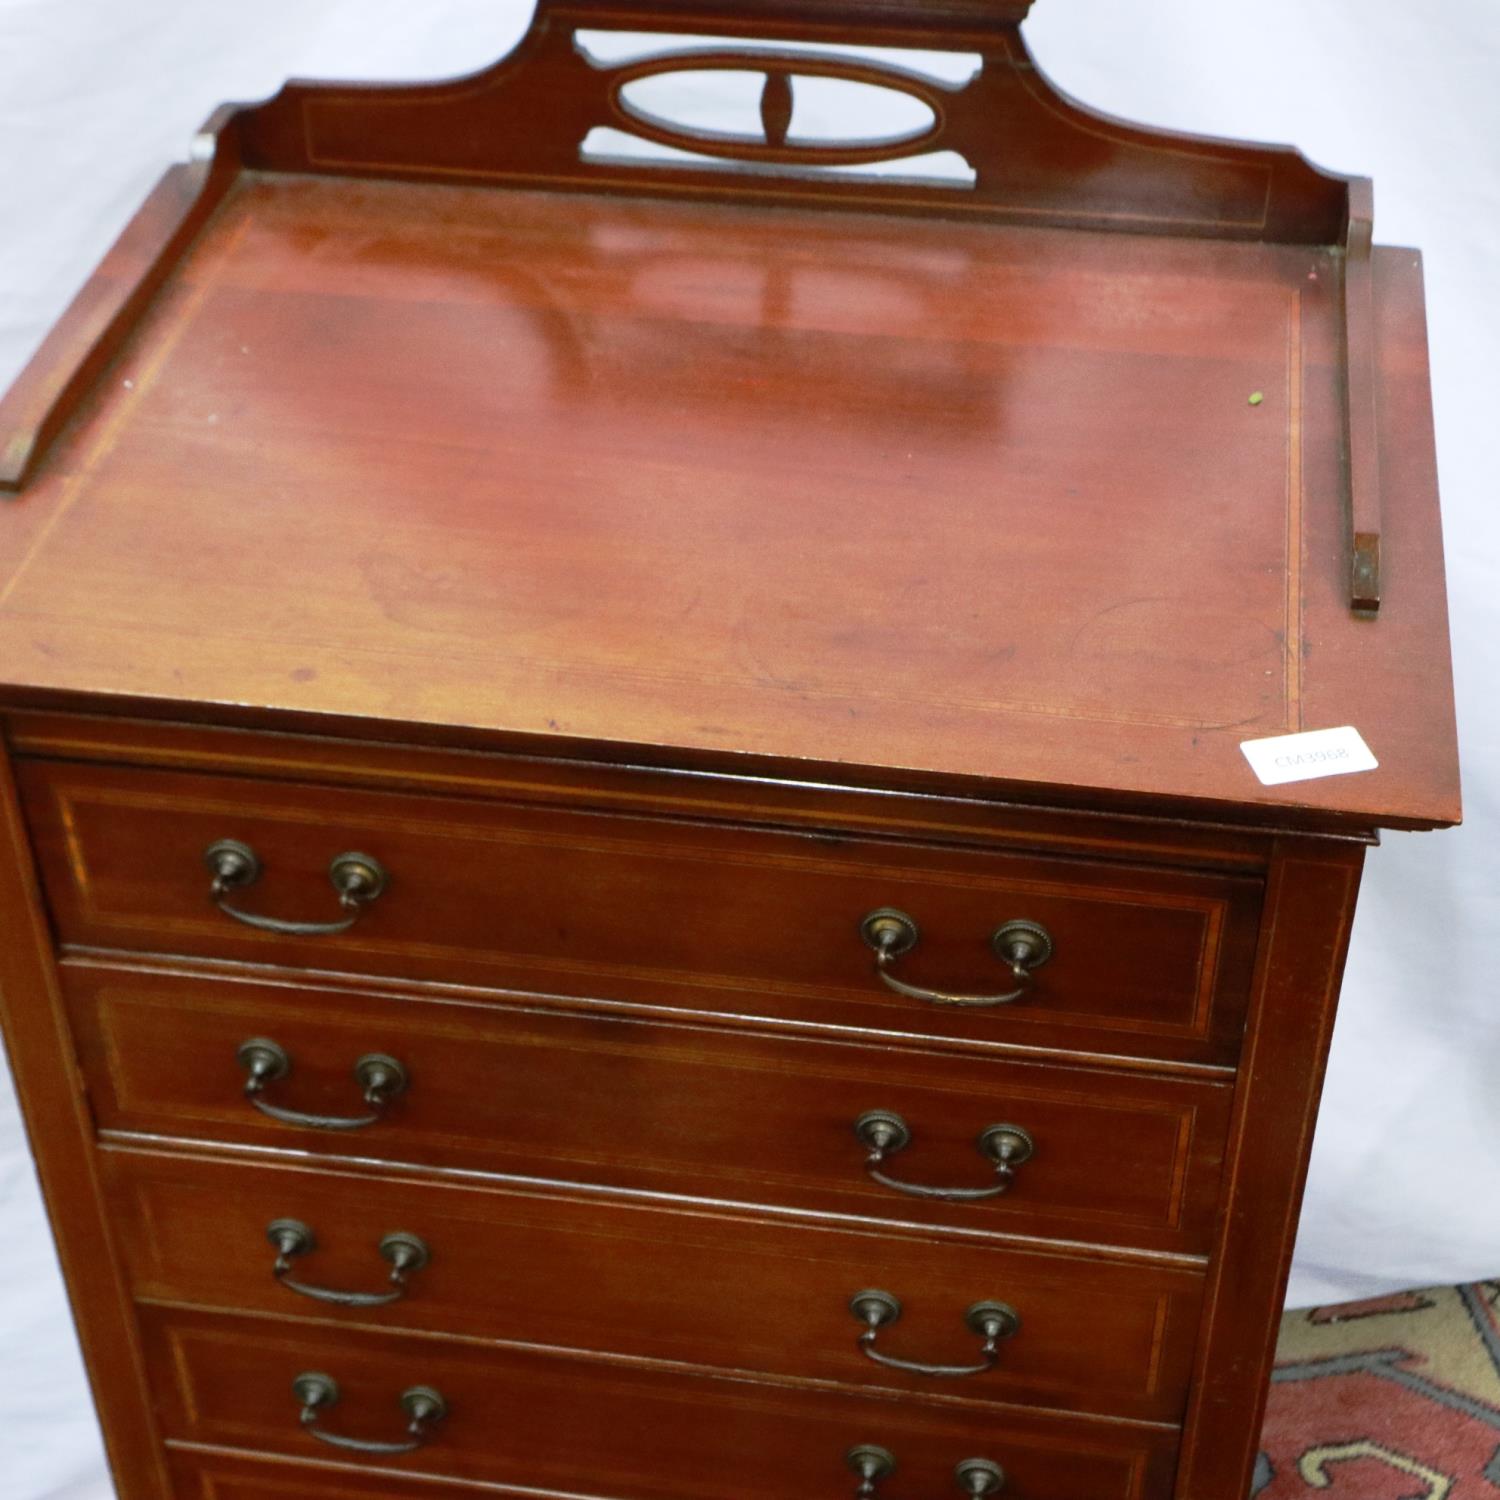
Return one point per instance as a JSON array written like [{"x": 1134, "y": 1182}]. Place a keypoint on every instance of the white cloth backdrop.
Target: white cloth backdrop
[{"x": 96, "y": 97}]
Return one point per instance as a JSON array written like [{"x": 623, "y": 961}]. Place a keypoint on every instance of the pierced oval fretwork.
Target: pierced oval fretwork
[
  {"x": 605, "y": 145},
  {"x": 777, "y": 141},
  {"x": 608, "y": 50},
  {"x": 837, "y": 111}
]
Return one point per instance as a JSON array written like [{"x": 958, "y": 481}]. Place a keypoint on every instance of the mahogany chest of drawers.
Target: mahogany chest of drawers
[{"x": 627, "y": 859}]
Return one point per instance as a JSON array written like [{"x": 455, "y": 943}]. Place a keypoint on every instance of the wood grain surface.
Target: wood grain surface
[
  {"x": 59, "y": 1127},
  {"x": 969, "y": 500},
  {"x": 679, "y": 1110},
  {"x": 556, "y": 1423},
  {"x": 718, "y": 1290},
  {"x": 724, "y": 919}
]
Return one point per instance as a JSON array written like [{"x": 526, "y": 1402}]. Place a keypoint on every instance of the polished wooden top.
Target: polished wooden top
[
  {"x": 845, "y": 489},
  {"x": 406, "y": 409}
]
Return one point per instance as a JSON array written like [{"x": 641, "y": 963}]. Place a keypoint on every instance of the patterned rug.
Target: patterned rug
[{"x": 1392, "y": 1399}]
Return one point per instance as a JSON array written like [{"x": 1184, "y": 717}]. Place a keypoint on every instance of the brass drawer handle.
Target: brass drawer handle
[
  {"x": 974, "y": 1476},
  {"x": 356, "y": 878},
  {"x": 379, "y": 1076},
  {"x": 884, "y": 1134},
  {"x": 423, "y": 1406},
  {"x": 1020, "y": 944},
  {"x": 291, "y": 1238},
  {"x": 991, "y": 1321}
]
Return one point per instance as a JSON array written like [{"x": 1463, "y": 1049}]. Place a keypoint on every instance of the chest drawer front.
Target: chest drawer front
[
  {"x": 729, "y": 1291},
  {"x": 589, "y": 1427},
  {"x": 723, "y": 919},
  {"x": 699, "y": 1111}
]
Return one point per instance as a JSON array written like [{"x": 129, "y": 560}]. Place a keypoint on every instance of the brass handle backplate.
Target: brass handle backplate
[
  {"x": 989, "y": 1321},
  {"x": 356, "y": 879},
  {"x": 873, "y": 1465},
  {"x": 884, "y": 1133},
  {"x": 379, "y": 1077},
  {"x": 316, "y": 1393},
  {"x": 1022, "y": 945},
  {"x": 291, "y": 1238}
]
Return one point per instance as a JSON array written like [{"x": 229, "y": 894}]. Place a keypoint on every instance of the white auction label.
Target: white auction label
[{"x": 1305, "y": 757}]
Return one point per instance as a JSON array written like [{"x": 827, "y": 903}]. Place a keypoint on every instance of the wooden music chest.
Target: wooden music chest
[{"x": 629, "y": 862}]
